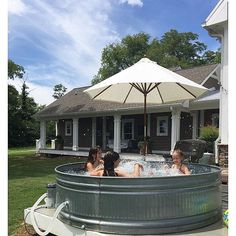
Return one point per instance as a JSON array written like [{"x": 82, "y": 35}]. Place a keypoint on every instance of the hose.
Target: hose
[
  {"x": 32, "y": 217},
  {"x": 24, "y": 219}
]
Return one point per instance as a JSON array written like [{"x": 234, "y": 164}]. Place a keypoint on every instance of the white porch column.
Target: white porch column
[
  {"x": 75, "y": 146},
  {"x": 117, "y": 135},
  {"x": 223, "y": 126},
  {"x": 195, "y": 122},
  {"x": 94, "y": 131},
  {"x": 175, "y": 127},
  {"x": 148, "y": 124},
  {"x": 56, "y": 127},
  {"x": 104, "y": 132},
  {"x": 42, "y": 134},
  {"x": 201, "y": 118}
]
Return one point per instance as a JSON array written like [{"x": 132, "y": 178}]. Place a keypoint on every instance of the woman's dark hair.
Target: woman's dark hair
[
  {"x": 90, "y": 159},
  {"x": 109, "y": 159}
]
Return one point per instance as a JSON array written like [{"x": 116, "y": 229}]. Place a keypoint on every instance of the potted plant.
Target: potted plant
[
  {"x": 59, "y": 142},
  {"x": 209, "y": 134}
]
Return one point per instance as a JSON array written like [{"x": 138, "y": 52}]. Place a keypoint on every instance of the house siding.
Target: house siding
[
  {"x": 99, "y": 134},
  {"x": 68, "y": 140},
  {"x": 210, "y": 83},
  {"x": 186, "y": 126},
  {"x": 85, "y": 132},
  {"x": 208, "y": 116}
]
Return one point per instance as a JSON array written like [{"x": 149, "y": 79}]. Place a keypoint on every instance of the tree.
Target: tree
[
  {"x": 59, "y": 91},
  {"x": 173, "y": 50},
  {"x": 183, "y": 47},
  {"x": 119, "y": 56},
  {"x": 23, "y": 129},
  {"x": 15, "y": 70}
]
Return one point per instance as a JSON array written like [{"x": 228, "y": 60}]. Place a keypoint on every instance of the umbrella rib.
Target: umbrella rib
[
  {"x": 128, "y": 93},
  {"x": 102, "y": 91},
  {"x": 149, "y": 88},
  {"x": 137, "y": 87},
  {"x": 186, "y": 89},
  {"x": 143, "y": 89},
  {"x": 159, "y": 93},
  {"x": 156, "y": 85}
]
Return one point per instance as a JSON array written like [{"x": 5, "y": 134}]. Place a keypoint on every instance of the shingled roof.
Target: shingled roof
[
  {"x": 197, "y": 74},
  {"x": 77, "y": 102}
]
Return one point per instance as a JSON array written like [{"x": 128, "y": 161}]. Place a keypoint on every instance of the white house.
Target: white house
[{"x": 217, "y": 26}]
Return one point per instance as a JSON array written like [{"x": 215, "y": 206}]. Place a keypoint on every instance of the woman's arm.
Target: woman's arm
[
  {"x": 89, "y": 167},
  {"x": 96, "y": 173},
  {"x": 186, "y": 171},
  {"x": 135, "y": 173}
]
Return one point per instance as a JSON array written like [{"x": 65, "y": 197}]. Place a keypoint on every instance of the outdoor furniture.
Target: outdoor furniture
[
  {"x": 123, "y": 143},
  {"x": 193, "y": 149}
]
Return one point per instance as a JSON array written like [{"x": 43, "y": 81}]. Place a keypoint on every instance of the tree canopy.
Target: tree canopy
[
  {"x": 59, "y": 91},
  {"x": 172, "y": 50},
  {"x": 23, "y": 129},
  {"x": 15, "y": 70}
]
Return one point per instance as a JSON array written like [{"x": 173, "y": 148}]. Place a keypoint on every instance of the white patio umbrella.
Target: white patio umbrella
[{"x": 156, "y": 83}]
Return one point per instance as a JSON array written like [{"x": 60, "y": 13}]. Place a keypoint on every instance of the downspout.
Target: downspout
[{"x": 216, "y": 151}]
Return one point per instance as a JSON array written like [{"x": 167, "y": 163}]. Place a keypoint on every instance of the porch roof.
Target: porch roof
[{"x": 77, "y": 103}]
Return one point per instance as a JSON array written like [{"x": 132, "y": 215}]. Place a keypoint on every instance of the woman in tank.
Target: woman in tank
[
  {"x": 94, "y": 161},
  {"x": 111, "y": 162}
]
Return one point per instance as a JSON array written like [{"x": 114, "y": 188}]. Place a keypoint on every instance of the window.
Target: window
[
  {"x": 215, "y": 120},
  {"x": 128, "y": 129},
  {"x": 162, "y": 126},
  {"x": 68, "y": 128}
]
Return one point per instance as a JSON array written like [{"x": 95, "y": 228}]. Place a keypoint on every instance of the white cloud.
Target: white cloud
[
  {"x": 17, "y": 7},
  {"x": 132, "y": 2},
  {"x": 69, "y": 34},
  {"x": 42, "y": 94}
]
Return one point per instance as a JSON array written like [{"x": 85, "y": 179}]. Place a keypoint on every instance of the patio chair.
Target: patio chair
[{"x": 193, "y": 149}]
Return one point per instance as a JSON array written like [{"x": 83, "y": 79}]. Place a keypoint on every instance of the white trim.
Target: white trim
[
  {"x": 158, "y": 131},
  {"x": 212, "y": 76},
  {"x": 75, "y": 134},
  {"x": 70, "y": 127},
  {"x": 213, "y": 119},
  {"x": 175, "y": 126},
  {"x": 117, "y": 125},
  {"x": 94, "y": 128},
  {"x": 124, "y": 121},
  {"x": 43, "y": 134},
  {"x": 195, "y": 124},
  {"x": 218, "y": 14},
  {"x": 104, "y": 137}
]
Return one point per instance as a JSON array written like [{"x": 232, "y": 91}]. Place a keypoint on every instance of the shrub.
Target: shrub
[{"x": 209, "y": 134}]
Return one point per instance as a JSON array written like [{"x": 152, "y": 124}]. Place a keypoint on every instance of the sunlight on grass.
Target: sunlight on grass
[{"x": 27, "y": 180}]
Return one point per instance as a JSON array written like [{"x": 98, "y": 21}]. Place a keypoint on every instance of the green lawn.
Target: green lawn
[{"x": 27, "y": 179}]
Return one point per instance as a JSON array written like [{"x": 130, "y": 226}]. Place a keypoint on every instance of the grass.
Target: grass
[{"x": 27, "y": 179}]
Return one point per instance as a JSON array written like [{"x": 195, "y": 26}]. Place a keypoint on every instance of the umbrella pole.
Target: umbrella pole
[{"x": 145, "y": 124}]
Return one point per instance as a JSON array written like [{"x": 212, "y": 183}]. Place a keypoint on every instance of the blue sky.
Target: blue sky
[{"x": 61, "y": 41}]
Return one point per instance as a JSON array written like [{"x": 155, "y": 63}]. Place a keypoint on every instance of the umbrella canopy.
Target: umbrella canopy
[{"x": 156, "y": 83}]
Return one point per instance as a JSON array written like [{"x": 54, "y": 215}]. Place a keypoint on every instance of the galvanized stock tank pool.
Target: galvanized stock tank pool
[{"x": 142, "y": 205}]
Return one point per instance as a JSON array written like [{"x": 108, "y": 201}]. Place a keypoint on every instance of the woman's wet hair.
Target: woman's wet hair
[
  {"x": 91, "y": 159},
  {"x": 109, "y": 159},
  {"x": 179, "y": 152}
]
